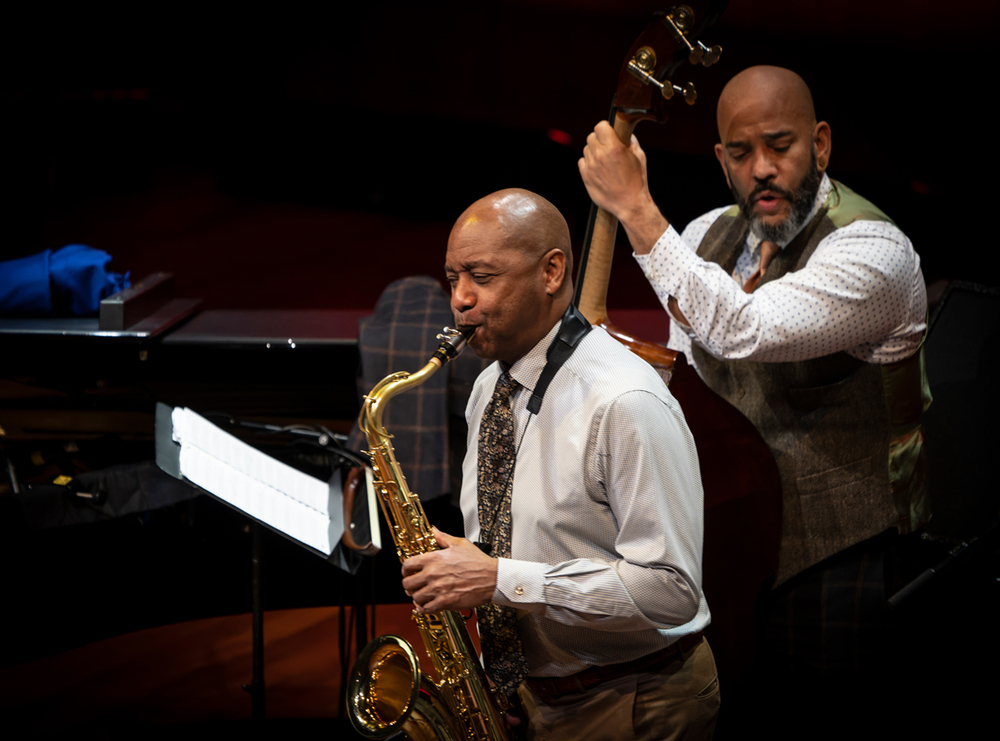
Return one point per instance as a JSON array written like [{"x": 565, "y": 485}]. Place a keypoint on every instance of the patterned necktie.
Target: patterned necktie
[
  {"x": 768, "y": 250},
  {"x": 505, "y": 662}
]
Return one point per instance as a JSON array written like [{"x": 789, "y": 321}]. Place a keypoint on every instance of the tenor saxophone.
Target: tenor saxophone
[{"x": 388, "y": 693}]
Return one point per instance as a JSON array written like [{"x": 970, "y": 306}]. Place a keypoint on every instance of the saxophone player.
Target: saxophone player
[{"x": 581, "y": 496}]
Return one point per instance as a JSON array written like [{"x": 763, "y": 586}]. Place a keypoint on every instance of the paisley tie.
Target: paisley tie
[{"x": 502, "y": 651}]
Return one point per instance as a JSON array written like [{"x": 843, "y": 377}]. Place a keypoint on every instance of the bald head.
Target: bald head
[
  {"x": 771, "y": 148},
  {"x": 773, "y": 88},
  {"x": 528, "y": 223},
  {"x": 508, "y": 264}
]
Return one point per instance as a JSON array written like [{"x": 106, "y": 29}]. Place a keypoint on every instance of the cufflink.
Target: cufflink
[{"x": 518, "y": 591}]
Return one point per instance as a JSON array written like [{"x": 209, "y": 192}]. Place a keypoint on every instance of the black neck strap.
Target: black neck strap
[{"x": 574, "y": 328}]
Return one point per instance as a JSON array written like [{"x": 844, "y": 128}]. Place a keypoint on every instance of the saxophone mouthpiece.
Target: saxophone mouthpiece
[{"x": 453, "y": 341}]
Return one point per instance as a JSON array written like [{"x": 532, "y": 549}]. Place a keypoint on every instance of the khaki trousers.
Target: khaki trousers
[{"x": 680, "y": 701}]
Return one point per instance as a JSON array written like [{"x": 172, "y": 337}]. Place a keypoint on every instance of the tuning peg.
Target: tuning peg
[
  {"x": 641, "y": 65},
  {"x": 708, "y": 56},
  {"x": 690, "y": 94},
  {"x": 703, "y": 55},
  {"x": 679, "y": 20}
]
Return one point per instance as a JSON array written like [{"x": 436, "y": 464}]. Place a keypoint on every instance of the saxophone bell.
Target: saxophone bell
[{"x": 390, "y": 695}]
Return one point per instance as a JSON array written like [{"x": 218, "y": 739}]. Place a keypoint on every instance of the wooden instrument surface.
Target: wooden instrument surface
[{"x": 739, "y": 475}]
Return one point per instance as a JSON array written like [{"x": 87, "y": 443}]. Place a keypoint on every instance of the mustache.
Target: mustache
[{"x": 767, "y": 187}]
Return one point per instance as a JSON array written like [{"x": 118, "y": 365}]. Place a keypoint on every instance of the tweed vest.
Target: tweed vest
[{"x": 845, "y": 434}]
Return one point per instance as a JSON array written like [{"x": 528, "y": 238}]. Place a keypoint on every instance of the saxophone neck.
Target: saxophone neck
[{"x": 453, "y": 341}]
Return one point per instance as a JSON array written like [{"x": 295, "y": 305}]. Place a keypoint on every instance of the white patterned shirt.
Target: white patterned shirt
[
  {"x": 606, "y": 510},
  {"x": 861, "y": 292}
]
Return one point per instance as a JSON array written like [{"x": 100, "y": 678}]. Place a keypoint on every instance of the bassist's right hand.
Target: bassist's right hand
[{"x": 615, "y": 178}]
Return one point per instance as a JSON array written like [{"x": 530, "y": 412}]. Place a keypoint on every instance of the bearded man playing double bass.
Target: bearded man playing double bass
[
  {"x": 804, "y": 307},
  {"x": 582, "y": 483}
]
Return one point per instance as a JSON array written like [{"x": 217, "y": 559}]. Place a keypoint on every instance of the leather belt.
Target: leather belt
[{"x": 550, "y": 688}]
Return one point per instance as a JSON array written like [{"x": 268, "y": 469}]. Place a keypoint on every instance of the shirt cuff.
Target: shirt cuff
[{"x": 519, "y": 583}]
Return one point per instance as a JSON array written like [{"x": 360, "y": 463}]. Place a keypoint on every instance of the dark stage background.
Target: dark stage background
[{"x": 287, "y": 158}]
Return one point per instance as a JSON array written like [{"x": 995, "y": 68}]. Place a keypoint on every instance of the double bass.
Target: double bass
[
  {"x": 645, "y": 91},
  {"x": 739, "y": 475}
]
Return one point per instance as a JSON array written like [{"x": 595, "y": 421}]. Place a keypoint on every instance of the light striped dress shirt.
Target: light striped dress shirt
[{"x": 606, "y": 507}]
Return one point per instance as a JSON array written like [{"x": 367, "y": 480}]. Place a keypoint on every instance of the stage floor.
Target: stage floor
[{"x": 171, "y": 679}]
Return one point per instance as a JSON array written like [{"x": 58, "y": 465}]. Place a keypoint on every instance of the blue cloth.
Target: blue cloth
[{"x": 73, "y": 279}]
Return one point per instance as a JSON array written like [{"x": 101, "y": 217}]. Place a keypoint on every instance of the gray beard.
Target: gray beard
[{"x": 801, "y": 201}]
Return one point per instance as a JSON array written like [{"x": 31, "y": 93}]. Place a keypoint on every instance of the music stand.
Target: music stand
[{"x": 303, "y": 508}]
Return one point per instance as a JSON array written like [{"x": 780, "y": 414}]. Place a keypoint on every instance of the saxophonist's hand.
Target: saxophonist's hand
[{"x": 457, "y": 577}]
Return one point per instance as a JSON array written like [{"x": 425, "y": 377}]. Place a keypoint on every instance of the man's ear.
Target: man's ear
[
  {"x": 554, "y": 267},
  {"x": 720, "y": 154},
  {"x": 823, "y": 144}
]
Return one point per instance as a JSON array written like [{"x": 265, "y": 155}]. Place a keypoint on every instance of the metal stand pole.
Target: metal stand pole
[{"x": 256, "y": 686}]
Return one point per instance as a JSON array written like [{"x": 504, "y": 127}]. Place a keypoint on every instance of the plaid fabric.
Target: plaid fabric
[
  {"x": 427, "y": 422},
  {"x": 835, "y": 662},
  {"x": 832, "y": 620}
]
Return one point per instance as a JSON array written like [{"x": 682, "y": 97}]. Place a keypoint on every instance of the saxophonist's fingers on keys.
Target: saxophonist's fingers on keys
[{"x": 457, "y": 577}]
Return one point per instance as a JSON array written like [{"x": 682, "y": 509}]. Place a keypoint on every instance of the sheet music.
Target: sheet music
[
  {"x": 267, "y": 489},
  {"x": 375, "y": 531}
]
